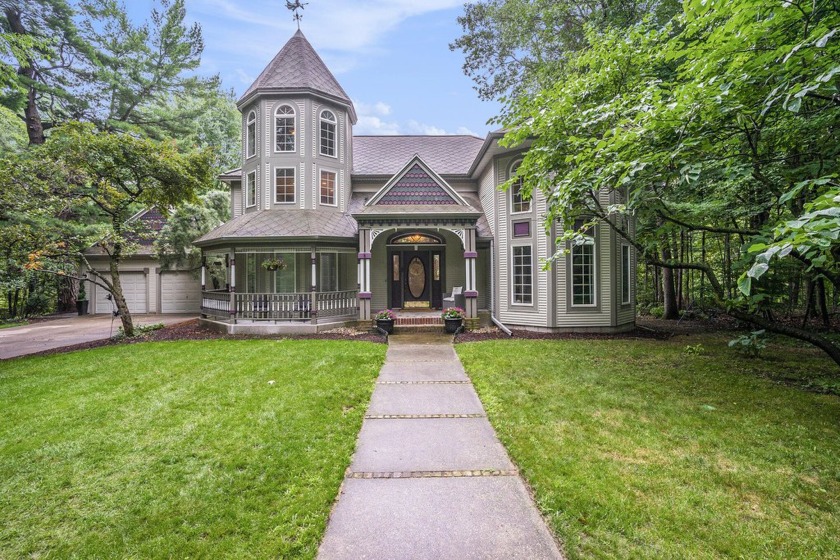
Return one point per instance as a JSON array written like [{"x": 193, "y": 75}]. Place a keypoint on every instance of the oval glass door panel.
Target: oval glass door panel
[{"x": 416, "y": 277}]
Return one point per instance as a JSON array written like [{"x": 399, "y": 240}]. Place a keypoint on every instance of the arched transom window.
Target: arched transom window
[
  {"x": 284, "y": 129},
  {"x": 416, "y": 239},
  {"x": 328, "y": 125},
  {"x": 251, "y": 135}
]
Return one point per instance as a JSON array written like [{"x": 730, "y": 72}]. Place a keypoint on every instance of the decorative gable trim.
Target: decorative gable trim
[{"x": 438, "y": 192}]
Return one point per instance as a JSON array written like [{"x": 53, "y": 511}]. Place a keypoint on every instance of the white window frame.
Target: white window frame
[
  {"x": 335, "y": 187},
  {"x": 626, "y": 266},
  {"x": 277, "y": 117},
  {"x": 251, "y": 187},
  {"x": 588, "y": 242},
  {"x": 513, "y": 284},
  {"x": 334, "y": 123},
  {"x": 294, "y": 185},
  {"x": 513, "y": 167},
  {"x": 251, "y": 145}
]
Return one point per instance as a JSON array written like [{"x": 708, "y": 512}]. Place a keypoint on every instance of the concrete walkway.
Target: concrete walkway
[
  {"x": 69, "y": 330},
  {"x": 429, "y": 479}
]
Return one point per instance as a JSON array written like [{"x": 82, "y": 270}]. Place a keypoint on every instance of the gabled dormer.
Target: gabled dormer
[{"x": 297, "y": 125}]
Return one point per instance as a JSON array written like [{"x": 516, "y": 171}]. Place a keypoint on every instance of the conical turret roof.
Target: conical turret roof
[{"x": 298, "y": 67}]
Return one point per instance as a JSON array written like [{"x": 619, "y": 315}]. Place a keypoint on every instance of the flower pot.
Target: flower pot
[
  {"x": 82, "y": 306},
  {"x": 386, "y": 325},
  {"x": 452, "y": 325}
]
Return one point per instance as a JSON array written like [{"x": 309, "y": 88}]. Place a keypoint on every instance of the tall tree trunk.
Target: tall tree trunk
[
  {"x": 809, "y": 300},
  {"x": 727, "y": 265},
  {"x": 34, "y": 126},
  {"x": 669, "y": 293},
  {"x": 822, "y": 303}
]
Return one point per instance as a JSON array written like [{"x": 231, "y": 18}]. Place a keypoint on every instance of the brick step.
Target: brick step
[{"x": 418, "y": 322}]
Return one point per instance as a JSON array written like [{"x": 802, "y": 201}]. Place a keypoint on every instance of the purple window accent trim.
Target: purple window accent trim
[
  {"x": 470, "y": 294},
  {"x": 470, "y": 255},
  {"x": 521, "y": 229},
  {"x": 365, "y": 295},
  {"x": 364, "y": 255}
]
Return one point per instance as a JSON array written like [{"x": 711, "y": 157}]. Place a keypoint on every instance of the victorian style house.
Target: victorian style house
[{"x": 328, "y": 227}]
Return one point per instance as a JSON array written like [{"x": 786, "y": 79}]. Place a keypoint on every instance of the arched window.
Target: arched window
[
  {"x": 284, "y": 129},
  {"x": 518, "y": 202},
  {"x": 328, "y": 122},
  {"x": 251, "y": 135}
]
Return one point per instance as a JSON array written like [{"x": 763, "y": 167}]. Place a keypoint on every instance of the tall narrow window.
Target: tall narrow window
[
  {"x": 251, "y": 135},
  {"x": 284, "y": 185},
  {"x": 518, "y": 202},
  {"x": 583, "y": 272},
  {"x": 523, "y": 275},
  {"x": 328, "y": 276},
  {"x": 251, "y": 189},
  {"x": 328, "y": 122},
  {"x": 285, "y": 278},
  {"x": 284, "y": 129},
  {"x": 626, "y": 277},
  {"x": 328, "y": 188}
]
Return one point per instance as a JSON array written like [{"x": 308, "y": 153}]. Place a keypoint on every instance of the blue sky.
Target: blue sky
[{"x": 391, "y": 56}]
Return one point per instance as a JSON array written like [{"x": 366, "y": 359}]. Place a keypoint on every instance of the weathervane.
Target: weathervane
[{"x": 294, "y": 7}]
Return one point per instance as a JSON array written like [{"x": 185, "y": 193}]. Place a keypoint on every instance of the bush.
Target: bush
[
  {"x": 750, "y": 344},
  {"x": 657, "y": 311},
  {"x": 38, "y": 303}
]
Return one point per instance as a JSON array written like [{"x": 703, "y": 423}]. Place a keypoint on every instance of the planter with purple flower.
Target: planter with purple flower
[
  {"x": 385, "y": 320},
  {"x": 453, "y": 318}
]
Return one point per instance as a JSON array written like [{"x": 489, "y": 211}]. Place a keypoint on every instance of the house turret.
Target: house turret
[{"x": 297, "y": 129}]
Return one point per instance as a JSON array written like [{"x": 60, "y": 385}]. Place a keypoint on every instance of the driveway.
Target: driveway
[{"x": 66, "y": 331}]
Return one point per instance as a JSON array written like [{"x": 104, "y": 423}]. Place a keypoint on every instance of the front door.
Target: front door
[{"x": 416, "y": 279}]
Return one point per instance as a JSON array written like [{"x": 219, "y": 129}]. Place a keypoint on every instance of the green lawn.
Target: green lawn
[
  {"x": 639, "y": 449},
  {"x": 10, "y": 324},
  {"x": 179, "y": 449}
]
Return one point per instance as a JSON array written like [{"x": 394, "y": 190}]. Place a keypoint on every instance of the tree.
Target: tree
[
  {"x": 103, "y": 179},
  {"x": 186, "y": 224},
  {"x": 697, "y": 129}
]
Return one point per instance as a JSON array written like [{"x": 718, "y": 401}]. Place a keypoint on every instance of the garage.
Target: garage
[
  {"x": 134, "y": 290},
  {"x": 180, "y": 292}
]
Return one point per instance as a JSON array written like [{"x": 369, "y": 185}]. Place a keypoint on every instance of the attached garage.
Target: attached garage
[
  {"x": 134, "y": 285},
  {"x": 180, "y": 292}
]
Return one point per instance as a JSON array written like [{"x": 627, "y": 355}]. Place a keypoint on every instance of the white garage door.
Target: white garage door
[
  {"x": 180, "y": 292},
  {"x": 134, "y": 290}
]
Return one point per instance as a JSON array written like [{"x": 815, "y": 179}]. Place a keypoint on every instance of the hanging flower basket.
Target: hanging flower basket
[{"x": 273, "y": 264}]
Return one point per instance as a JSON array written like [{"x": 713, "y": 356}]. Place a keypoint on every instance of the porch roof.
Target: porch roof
[{"x": 284, "y": 223}]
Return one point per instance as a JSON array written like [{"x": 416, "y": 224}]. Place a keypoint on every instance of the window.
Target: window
[
  {"x": 284, "y": 185},
  {"x": 328, "y": 134},
  {"x": 523, "y": 275},
  {"x": 251, "y": 189},
  {"x": 522, "y": 229},
  {"x": 626, "y": 277},
  {"x": 518, "y": 202},
  {"x": 328, "y": 274},
  {"x": 251, "y": 135},
  {"x": 583, "y": 272},
  {"x": 284, "y": 129},
  {"x": 328, "y": 188},
  {"x": 285, "y": 279}
]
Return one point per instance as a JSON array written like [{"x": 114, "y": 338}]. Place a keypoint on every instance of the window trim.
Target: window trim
[
  {"x": 293, "y": 116},
  {"x": 294, "y": 185},
  {"x": 248, "y": 189},
  {"x": 513, "y": 301},
  {"x": 626, "y": 260},
  {"x": 334, "y": 123},
  {"x": 249, "y": 122},
  {"x": 511, "y": 171},
  {"x": 590, "y": 242},
  {"x": 321, "y": 202}
]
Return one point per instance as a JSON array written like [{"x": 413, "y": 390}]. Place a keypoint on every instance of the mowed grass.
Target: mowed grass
[
  {"x": 179, "y": 449},
  {"x": 639, "y": 449}
]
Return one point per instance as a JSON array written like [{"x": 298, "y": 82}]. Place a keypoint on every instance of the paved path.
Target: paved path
[
  {"x": 429, "y": 479},
  {"x": 66, "y": 331}
]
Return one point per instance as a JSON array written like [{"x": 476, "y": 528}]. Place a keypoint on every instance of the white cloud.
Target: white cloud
[
  {"x": 244, "y": 77},
  {"x": 372, "y": 121},
  {"x": 421, "y": 128}
]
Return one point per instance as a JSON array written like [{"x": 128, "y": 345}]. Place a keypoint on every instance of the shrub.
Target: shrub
[{"x": 750, "y": 344}]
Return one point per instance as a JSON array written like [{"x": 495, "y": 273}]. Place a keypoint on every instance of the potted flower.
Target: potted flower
[
  {"x": 453, "y": 317},
  {"x": 385, "y": 320},
  {"x": 81, "y": 299},
  {"x": 274, "y": 263}
]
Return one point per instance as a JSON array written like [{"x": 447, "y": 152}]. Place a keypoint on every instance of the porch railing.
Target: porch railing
[
  {"x": 300, "y": 306},
  {"x": 216, "y": 303}
]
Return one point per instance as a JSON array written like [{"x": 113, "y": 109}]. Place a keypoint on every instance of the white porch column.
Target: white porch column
[
  {"x": 203, "y": 273},
  {"x": 313, "y": 301},
  {"x": 232, "y": 285},
  {"x": 470, "y": 291},
  {"x": 364, "y": 274}
]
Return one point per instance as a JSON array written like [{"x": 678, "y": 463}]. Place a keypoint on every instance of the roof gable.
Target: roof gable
[
  {"x": 297, "y": 66},
  {"x": 416, "y": 184}
]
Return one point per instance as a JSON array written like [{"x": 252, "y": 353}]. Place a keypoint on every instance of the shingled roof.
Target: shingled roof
[
  {"x": 298, "y": 67},
  {"x": 386, "y": 155},
  {"x": 267, "y": 224}
]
